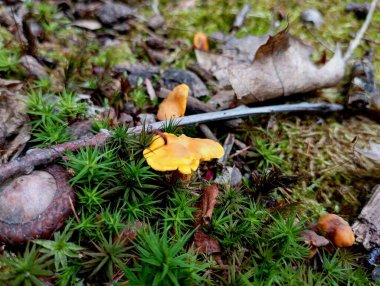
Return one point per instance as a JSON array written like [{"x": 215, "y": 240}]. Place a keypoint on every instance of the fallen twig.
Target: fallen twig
[
  {"x": 207, "y": 132},
  {"x": 240, "y": 17},
  {"x": 244, "y": 111},
  {"x": 227, "y": 146},
  {"x": 354, "y": 44},
  {"x": 38, "y": 156}
]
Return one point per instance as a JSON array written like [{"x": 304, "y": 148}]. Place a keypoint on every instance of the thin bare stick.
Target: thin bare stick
[
  {"x": 243, "y": 111},
  {"x": 240, "y": 17},
  {"x": 355, "y": 43},
  {"x": 73, "y": 209},
  {"x": 36, "y": 157},
  {"x": 207, "y": 132}
]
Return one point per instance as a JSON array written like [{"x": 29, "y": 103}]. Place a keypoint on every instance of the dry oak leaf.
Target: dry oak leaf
[
  {"x": 282, "y": 67},
  {"x": 180, "y": 153},
  {"x": 175, "y": 104}
]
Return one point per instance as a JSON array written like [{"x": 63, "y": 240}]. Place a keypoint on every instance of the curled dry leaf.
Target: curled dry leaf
[
  {"x": 209, "y": 196},
  {"x": 200, "y": 42},
  {"x": 337, "y": 230},
  {"x": 14, "y": 123}
]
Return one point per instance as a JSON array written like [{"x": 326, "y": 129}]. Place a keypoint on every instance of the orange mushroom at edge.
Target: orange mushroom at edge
[
  {"x": 181, "y": 153},
  {"x": 200, "y": 42},
  {"x": 337, "y": 230},
  {"x": 175, "y": 104}
]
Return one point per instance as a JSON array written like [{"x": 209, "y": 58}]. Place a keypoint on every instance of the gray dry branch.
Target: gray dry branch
[{"x": 36, "y": 157}]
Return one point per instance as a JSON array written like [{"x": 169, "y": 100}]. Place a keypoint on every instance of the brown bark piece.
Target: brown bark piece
[{"x": 367, "y": 226}]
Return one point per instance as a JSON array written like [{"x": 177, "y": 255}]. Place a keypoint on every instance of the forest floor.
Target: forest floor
[{"x": 80, "y": 67}]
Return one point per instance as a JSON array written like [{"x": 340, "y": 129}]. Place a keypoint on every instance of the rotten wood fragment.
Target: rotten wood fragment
[
  {"x": 209, "y": 195},
  {"x": 367, "y": 226},
  {"x": 363, "y": 88}
]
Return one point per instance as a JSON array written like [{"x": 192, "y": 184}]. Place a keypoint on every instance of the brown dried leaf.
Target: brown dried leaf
[
  {"x": 129, "y": 233},
  {"x": 206, "y": 244},
  {"x": 262, "y": 68},
  {"x": 209, "y": 195},
  {"x": 33, "y": 66},
  {"x": 234, "y": 51},
  {"x": 14, "y": 123},
  {"x": 283, "y": 67}
]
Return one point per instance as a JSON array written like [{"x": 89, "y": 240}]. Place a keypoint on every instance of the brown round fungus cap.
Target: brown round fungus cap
[
  {"x": 175, "y": 104},
  {"x": 337, "y": 230},
  {"x": 35, "y": 205}
]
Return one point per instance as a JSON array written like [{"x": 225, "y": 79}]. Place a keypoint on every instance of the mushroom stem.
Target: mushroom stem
[{"x": 178, "y": 176}]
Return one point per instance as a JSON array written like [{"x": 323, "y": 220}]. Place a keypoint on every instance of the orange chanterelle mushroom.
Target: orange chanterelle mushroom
[
  {"x": 181, "y": 153},
  {"x": 175, "y": 104},
  {"x": 200, "y": 42},
  {"x": 336, "y": 229}
]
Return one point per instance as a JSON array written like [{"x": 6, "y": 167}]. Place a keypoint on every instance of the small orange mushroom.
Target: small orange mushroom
[
  {"x": 175, "y": 104},
  {"x": 337, "y": 230},
  {"x": 181, "y": 153},
  {"x": 200, "y": 42}
]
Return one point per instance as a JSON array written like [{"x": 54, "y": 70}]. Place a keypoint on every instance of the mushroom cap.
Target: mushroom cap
[
  {"x": 175, "y": 104},
  {"x": 181, "y": 153},
  {"x": 337, "y": 229},
  {"x": 200, "y": 41}
]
